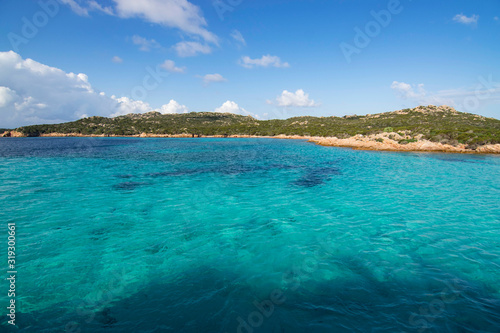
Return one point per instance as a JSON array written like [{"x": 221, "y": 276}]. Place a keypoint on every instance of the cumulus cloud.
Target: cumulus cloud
[
  {"x": 209, "y": 78},
  {"x": 297, "y": 99},
  {"x": 145, "y": 44},
  {"x": 237, "y": 36},
  {"x": 169, "y": 65},
  {"x": 180, "y": 14},
  {"x": 232, "y": 107},
  {"x": 177, "y": 14},
  {"x": 229, "y": 107},
  {"x": 7, "y": 96},
  {"x": 265, "y": 61},
  {"x": 34, "y": 93},
  {"x": 117, "y": 60},
  {"x": 190, "y": 49},
  {"x": 461, "y": 18},
  {"x": 173, "y": 107},
  {"x": 405, "y": 90},
  {"x": 126, "y": 105}
]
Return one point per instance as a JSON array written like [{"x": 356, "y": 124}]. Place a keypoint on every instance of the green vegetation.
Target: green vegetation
[
  {"x": 438, "y": 124},
  {"x": 406, "y": 141}
]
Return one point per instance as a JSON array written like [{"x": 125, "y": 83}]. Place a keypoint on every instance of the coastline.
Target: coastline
[{"x": 378, "y": 142}]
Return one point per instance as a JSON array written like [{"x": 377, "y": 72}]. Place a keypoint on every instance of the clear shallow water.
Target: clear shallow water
[{"x": 249, "y": 235}]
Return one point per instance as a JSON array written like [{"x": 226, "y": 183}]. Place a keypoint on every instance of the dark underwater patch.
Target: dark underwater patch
[
  {"x": 105, "y": 318},
  {"x": 153, "y": 249},
  {"x": 284, "y": 166},
  {"x": 316, "y": 176},
  {"x": 99, "y": 234},
  {"x": 124, "y": 176},
  {"x": 313, "y": 176},
  {"x": 176, "y": 173},
  {"x": 129, "y": 186},
  {"x": 235, "y": 169},
  {"x": 226, "y": 169}
]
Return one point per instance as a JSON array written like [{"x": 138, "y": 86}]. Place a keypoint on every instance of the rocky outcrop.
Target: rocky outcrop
[
  {"x": 377, "y": 143},
  {"x": 489, "y": 149},
  {"x": 12, "y": 134}
]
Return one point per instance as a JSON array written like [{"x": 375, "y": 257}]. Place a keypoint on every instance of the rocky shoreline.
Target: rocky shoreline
[
  {"x": 378, "y": 142},
  {"x": 391, "y": 145}
]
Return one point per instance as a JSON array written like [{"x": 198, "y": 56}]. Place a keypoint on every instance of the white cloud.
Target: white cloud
[
  {"x": 265, "y": 61},
  {"x": 34, "y": 93},
  {"x": 297, "y": 99},
  {"x": 177, "y": 14},
  {"x": 88, "y": 6},
  {"x": 7, "y": 96},
  {"x": 169, "y": 65},
  {"x": 117, "y": 60},
  {"x": 93, "y": 5},
  {"x": 173, "y": 107},
  {"x": 75, "y": 7},
  {"x": 237, "y": 36},
  {"x": 232, "y": 107},
  {"x": 126, "y": 105},
  {"x": 405, "y": 90},
  {"x": 190, "y": 49},
  {"x": 461, "y": 18},
  {"x": 229, "y": 107},
  {"x": 145, "y": 44},
  {"x": 496, "y": 18},
  {"x": 180, "y": 14},
  {"x": 42, "y": 94},
  {"x": 209, "y": 78}
]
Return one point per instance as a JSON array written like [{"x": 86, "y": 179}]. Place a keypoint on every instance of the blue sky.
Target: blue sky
[{"x": 268, "y": 59}]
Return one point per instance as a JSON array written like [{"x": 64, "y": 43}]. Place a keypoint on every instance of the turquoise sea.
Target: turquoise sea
[{"x": 248, "y": 235}]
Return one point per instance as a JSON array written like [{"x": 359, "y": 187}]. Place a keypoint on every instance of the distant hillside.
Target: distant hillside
[{"x": 437, "y": 124}]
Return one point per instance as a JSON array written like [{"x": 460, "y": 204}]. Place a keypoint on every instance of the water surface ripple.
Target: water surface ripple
[{"x": 249, "y": 235}]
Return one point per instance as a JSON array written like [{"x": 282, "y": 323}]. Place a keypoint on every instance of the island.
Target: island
[{"x": 424, "y": 128}]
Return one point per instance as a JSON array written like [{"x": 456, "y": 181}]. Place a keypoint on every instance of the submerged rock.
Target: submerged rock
[
  {"x": 129, "y": 185},
  {"x": 105, "y": 318},
  {"x": 316, "y": 176}
]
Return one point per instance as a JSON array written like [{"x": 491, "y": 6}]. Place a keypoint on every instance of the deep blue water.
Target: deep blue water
[{"x": 248, "y": 235}]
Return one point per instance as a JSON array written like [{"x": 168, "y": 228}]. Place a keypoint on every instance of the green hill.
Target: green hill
[{"x": 438, "y": 124}]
